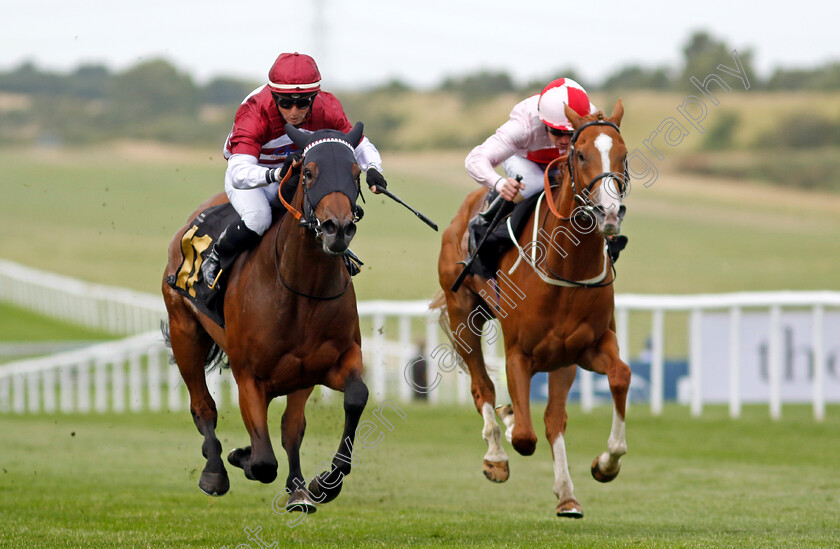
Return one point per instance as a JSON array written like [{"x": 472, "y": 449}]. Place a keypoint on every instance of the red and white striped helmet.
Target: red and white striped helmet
[
  {"x": 563, "y": 91},
  {"x": 293, "y": 74}
]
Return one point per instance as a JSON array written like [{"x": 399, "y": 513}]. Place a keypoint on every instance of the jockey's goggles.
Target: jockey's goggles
[
  {"x": 285, "y": 102},
  {"x": 560, "y": 133}
]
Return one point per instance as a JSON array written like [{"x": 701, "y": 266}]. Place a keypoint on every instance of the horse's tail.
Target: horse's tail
[
  {"x": 439, "y": 302},
  {"x": 215, "y": 357}
]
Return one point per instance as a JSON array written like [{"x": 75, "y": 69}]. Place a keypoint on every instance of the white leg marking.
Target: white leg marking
[
  {"x": 616, "y": 446},
  {"x": 507, "y": 419},
  {"x": 492, "y": 435},
  {"x": 563, "y": 487}
]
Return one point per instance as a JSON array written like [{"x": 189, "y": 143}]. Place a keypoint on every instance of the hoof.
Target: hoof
[
  {"x": 214, "y": 484},
  {"x": 601, "y": 476},
  {"x": 238, "y": 457},
  {"x": 569, "y": 509},
  {"x": 299, "y": 501},
  {"x": 264, "y": 472},
  {"x": 526, "y": 446},
  {"x": 496, "y": 471},
  {"x": 325, "y": 495}
]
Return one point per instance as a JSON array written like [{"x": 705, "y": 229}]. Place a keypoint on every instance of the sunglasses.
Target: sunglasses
[
  {"x": 559, "y": 133},
  {"x": 288, "y": 102}
]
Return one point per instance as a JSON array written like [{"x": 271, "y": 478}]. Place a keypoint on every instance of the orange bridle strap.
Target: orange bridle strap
[
  {"x": 288, "y": 206},
  {"x": 547, "y": 185}
]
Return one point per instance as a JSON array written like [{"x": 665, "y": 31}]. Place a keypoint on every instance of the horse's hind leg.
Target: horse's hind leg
[
  {"x": 190, "y": 345},
  {"x": 605, "y": 360},
  {"x": 326, "y": 486},
  {"x": 293, "y": 427},
  {"x": 466, "y": 338},
  {"x": 559, "y": 383}
]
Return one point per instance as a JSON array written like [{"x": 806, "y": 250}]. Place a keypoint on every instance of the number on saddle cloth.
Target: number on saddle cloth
[{"x": 195, "y": 245}]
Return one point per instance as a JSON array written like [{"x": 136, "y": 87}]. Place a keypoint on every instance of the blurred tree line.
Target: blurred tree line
[{"x": 155, "y": 100}]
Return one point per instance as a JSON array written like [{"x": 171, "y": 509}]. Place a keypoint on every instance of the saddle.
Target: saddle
[{"x": 498, "y": 242}]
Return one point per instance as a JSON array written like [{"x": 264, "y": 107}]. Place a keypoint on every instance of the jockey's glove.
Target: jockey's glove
[
  {"x": 277, "y": 174},
  {"x": 375, "y": 178}
]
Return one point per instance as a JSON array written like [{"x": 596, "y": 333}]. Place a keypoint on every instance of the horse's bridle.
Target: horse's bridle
[
  {"x": 308, "y": 219},
  {"x": 582, "y": 196}
]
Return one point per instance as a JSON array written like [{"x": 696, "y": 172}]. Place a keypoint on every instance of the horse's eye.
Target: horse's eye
[
  {"x": 580, "y": 156},
  {"x": 307, "y": 174}
]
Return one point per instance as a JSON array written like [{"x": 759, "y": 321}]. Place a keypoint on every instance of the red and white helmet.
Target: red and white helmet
[
  {"x": 294, "y": 73},
  {"x": 563, "y": 91}
]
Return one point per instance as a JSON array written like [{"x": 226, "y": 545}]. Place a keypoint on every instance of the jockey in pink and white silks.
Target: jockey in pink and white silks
[
  {"x": 536, "y": 133},
  {"x": 259, "y": 152}
]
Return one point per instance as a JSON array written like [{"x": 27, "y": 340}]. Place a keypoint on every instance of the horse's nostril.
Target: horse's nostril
[
  {"x": 350, "y": 230},
  {"x": 329, "y": 227}
]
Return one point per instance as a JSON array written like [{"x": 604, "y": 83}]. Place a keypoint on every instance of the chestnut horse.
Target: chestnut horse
[
  {"x": 565, "y": 317},
  {"x": 290, "y": 323}
]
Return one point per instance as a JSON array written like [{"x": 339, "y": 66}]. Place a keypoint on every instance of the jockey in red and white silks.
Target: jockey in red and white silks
[{"x": 536, "y": 133}]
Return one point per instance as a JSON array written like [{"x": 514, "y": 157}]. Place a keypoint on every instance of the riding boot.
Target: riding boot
[
  {"x": 478, "y": 224},
  {"x": 235, "y": 239}
]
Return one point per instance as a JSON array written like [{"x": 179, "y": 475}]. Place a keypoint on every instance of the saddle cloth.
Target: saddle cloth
[{"x": 195, "y": 245}]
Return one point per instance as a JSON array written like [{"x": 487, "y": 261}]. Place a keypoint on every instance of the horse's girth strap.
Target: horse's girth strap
[
  {"x": 288, "y": 206},
  {"x": 547, "y": 185}
]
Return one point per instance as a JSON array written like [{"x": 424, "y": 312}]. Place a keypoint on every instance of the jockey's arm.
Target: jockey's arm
[
  {"x": 497, "y": 148},
  {"x": 244, "y": 173},
  {"x": 369, "y": 160}
]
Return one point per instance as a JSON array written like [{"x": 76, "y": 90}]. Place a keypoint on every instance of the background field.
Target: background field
[{"x": 130, "y": 481}]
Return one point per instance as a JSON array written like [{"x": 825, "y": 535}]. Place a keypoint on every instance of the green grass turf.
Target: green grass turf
[{"x": 130, "y": 481}]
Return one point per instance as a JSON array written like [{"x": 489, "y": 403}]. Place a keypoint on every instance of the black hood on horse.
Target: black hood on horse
[{"x": 331, "y": 161}]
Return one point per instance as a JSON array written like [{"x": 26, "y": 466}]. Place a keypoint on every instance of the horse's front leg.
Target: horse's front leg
[
  {"x": 605, "y": 360},
  {"x": 292, "y": 428},
  {"x": 326, "y": 486},
  {"x": 518, "y": 366},
  {"x": 559, "y": 383},
  {"x": 258, "y": 460}
]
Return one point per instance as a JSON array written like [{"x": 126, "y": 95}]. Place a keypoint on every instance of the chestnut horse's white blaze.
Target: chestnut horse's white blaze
[{"x": 609, "y": 195}]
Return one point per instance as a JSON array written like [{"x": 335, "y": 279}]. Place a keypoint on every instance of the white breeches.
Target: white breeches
[
  {"x": 531, "y": 172},
  {"x": 252, "y": 205}
]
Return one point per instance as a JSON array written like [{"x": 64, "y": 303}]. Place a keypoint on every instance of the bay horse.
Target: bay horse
[
  {"x": 290, "y": 323},
  {"x": 565, "y": 316}
]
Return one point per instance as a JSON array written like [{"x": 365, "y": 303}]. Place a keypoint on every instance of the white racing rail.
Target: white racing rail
[{"x": 406, "y": 354}]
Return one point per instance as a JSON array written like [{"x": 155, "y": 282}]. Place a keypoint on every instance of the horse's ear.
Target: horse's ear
[
  {"x": 617, "y": 113},
  {"x": 355, "y": 135},
  {"x": 573, "y": 117},
  {"x": 298, "y": 137}
]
